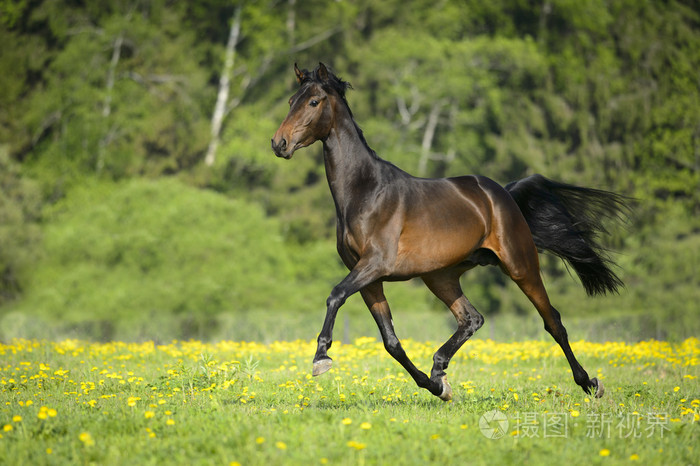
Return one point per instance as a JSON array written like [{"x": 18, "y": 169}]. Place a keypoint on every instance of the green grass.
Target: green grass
[{"x": 75, "y": 402}]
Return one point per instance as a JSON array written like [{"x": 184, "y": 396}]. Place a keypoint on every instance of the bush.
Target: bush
[{"x": 126, "y": 253}]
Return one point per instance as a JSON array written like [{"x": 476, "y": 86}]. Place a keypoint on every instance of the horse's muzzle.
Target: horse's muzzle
[{"x": 280, "y": 148}]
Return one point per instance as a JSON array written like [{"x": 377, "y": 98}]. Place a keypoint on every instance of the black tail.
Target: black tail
[{"x": 566, "y": 220}]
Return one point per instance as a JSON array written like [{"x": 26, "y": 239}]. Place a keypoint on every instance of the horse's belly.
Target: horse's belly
[{"x": 436, "y": 248}]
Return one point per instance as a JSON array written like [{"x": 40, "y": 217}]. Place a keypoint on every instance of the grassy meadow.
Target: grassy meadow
[{"x": 189, "y": 402}]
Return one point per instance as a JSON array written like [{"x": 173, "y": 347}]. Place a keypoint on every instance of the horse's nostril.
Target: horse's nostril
[{"x": 279, "y": 146}]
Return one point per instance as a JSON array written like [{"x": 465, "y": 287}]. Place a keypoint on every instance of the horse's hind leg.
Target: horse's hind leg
[
  {"x": 521, "y": 263},
  {"x": 445, "y": 285},
  {"x": 553, "y": 324},
  {"x": 378, "y": 306}
]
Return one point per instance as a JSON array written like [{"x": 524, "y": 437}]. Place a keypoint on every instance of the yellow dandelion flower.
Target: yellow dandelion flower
[
  {"x": 260, "y": 440},
  {"x": 365, "y": 426},
  {"x": 346, "y": 421},
  {"x": 634, "y": 457},
  {"x": 17, "y": 418},
  {"x": 52, "y": 412},
  {"x": 170, "y": 422},
  {"x": 7, "y": 427},
  {"x": 42, "y": 415},
  {"x": 356, "y": 445},
  {"x": 149, "y": 414},
  {"x": 675, "y": 389},
  {"x": 435, "y": 436},
  {"x": 604, "y": 452},
  {"x": 575, "y": 413},
  {"x": 281, "y": 445},
  {"x": 87, "y": 439}
]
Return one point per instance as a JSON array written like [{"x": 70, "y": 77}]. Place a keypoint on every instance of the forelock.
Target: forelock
[{"x": 333, "y": 83}]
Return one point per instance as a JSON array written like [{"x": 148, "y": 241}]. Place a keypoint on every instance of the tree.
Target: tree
[
  {"x": 224, "y": 88},
  {"x": 117, "y": 97},
  {"x": 20, "y": 212}
]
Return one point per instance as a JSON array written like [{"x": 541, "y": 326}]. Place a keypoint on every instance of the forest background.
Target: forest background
[{"x": 139, "y": 197}]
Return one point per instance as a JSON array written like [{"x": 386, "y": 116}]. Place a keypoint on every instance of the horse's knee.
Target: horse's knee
[
  {"x": 393, "y": 346},
  {"x": 335, "y": 300}
]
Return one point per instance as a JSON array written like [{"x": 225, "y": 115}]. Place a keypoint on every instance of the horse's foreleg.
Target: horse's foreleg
[
  {"x": 446, "y": 287},
  {"x": 378, "y": 306},
  {"x": 364, "y": 273}
]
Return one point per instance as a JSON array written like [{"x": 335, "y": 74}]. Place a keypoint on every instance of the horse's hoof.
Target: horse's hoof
[
  {"x": 599, "y": 389},
  {"x": 321, "y": 366},
  {"x": 446, "y": 394}
]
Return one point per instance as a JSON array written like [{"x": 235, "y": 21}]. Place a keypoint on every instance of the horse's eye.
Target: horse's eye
[{"x": 313, "y": 103}]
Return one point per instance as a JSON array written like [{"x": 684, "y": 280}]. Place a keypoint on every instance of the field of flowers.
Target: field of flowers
[{"x": 188, "y": 402}]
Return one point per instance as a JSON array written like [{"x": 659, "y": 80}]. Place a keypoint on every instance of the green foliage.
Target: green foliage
[
  {"x": 116, "y": 98},
  {"x": 140, "y": 249},
  {"x": 599, "y": 93},
  {"x": 20, "y": 210}
]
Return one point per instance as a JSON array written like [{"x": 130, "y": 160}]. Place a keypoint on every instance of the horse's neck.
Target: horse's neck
[{"x": 353, "y": 171}]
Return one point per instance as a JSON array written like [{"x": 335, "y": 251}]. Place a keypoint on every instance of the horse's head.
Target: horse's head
[{"x": 311, "y": 110}]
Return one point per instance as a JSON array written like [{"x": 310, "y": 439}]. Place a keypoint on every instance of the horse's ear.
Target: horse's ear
[
  {"x": 322, "y": 72},
  {"x": 301, "y": 75}
]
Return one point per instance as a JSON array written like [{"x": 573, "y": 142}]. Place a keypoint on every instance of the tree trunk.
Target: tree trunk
[
  {"x": 291, "y": 22},
  {"x": 428, "y": 135},
  {"x": 116, "y": 55},
  {"x": 107, "y": 106},
  {"x": 224, "y": 88}
]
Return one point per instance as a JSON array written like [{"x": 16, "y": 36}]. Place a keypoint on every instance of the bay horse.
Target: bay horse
[{"x": 392, "y": 226}]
